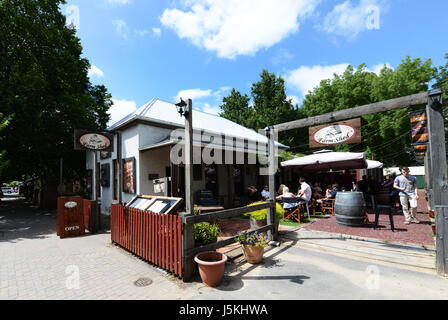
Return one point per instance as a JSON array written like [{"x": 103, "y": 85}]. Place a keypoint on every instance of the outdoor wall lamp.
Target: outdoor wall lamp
[{"x": 181, "y": 108}]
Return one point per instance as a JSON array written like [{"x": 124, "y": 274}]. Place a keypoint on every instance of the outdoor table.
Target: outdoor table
[{"x": 387, "y": 208}]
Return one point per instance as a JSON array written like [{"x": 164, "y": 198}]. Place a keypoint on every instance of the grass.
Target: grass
[{"x": 294, "y": 223}]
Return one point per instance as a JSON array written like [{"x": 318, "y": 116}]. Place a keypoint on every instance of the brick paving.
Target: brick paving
[{"x": 36, "y": 264}]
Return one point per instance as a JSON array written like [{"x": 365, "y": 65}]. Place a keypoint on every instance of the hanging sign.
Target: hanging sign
[
  {"x": 345, "y": 132},
  {"x": 94, "y": 141},
  {"x": 419, "y": 127}
]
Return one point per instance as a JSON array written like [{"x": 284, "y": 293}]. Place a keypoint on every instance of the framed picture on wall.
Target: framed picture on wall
[
  {"x": 105, "y": 155},
  {"x": 129, "y": 175},
  {"x": 105, "y": 175}
]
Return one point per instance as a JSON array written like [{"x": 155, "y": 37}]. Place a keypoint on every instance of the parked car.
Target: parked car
[{"x": 8, "y": 191}]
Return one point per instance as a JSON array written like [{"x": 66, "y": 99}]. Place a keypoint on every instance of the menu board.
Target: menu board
[{"x": 156, "y": 204}]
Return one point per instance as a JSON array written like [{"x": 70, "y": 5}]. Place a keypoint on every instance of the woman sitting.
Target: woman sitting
[{"x": 288, "y": 204}]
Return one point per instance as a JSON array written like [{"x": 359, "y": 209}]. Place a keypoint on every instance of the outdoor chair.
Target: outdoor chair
[
  {"x": 291, "y": 213},
  {"x": 305, "y": 205},
  {"x": 327, "y": 205}
]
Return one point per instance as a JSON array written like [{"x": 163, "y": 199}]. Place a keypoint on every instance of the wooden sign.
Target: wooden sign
[
  {"x": 344, "y": 132},
  {"x": 94, "y": 141},
  {"x": 70, "y": 217},
  {"x": 129, "y": 175}
]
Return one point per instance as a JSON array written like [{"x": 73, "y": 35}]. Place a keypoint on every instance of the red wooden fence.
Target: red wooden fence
[{"x": 156, "y": 238}]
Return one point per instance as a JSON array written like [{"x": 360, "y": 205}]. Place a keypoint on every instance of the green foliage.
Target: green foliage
[
  {"x": 13, "y": 184},
  {"x": 387, "y": 135},
  {"x": 44, "y": 82},
  {"x": 262, "y": 214},
  {"x": 270, "y": 106},
  {"x": 205, "y": 233},
  {"x": 252, "y": 239},
  {"x": 4, "y": 121}
]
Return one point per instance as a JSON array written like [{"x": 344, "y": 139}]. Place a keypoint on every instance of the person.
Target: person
[
  {"x": 354, "y": 186},
  {"x": 305, "y": 192},
  {"x": 280, "y": 189},
  {"x": 388, "y": 182},
  {"x": 363, "y": 186},
  {"x": 407, "y": 185},
  {"x": 252, "y": 194},
  {"x": 287, "y": 194},
  {"x": 331, "y": 194},
  {"x": 345, "y": 180},
  {"x": 265, "y": 194},
  {"x": 317, "y": 191},
  {"x": 374, "y": 186}
]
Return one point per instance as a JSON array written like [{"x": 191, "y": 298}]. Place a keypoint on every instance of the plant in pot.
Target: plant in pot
[
  {"x": 210, "y": 263},
  {"x": 258, "y": 218},
  {"x": 253, "y": 245}
]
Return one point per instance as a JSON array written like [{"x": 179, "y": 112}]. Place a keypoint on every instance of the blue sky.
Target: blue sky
[{"x": 142, "y": 49}]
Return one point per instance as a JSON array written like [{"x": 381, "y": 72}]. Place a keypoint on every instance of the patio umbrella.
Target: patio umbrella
[
  {"x": 372, "y": 164},
  {"x": 327, "y": 160}
]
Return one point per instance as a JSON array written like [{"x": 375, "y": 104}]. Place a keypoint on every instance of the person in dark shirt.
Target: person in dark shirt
[
  {"x": 363, "y": 185},
  {"x": 252, "y": 194}
]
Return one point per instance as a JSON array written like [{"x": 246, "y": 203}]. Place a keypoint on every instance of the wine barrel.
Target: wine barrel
[
  {"x": 383, "y": 196},
  {"x": 349, "y": 209}
]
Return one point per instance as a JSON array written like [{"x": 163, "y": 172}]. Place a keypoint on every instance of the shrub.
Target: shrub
[
  {"x": 205, "y": 233},
  {"x": 262, "y": 214}
]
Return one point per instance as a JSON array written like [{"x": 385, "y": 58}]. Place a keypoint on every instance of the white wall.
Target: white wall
[{"x": 153, "y": 162}]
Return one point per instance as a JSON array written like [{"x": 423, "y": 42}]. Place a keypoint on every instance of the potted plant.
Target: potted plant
[
  {"x": 258, "y": 218},
  {"x": 205, "y": 233},
  {"x": 253, "y": 245}
]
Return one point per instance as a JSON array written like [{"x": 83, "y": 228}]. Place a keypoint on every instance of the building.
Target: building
[{"x": 144, "y": 141}]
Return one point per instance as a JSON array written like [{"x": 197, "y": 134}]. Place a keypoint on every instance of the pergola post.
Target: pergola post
[
  {"x": 271, "y": 214},
  {"x": 438, "y": 175}
]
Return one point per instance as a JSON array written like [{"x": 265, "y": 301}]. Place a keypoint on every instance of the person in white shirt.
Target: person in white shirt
[
  {"x": 305, "y": 191},
  {"x": 265, "y": 194}
]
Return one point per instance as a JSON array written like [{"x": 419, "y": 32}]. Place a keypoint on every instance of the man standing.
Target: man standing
[
  {"x": 407, "y": 185},
  {"x": 305, "y": 190}
]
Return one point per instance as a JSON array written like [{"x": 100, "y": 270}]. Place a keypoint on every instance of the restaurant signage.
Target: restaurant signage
[
  {"x": 420, "y": 134},
  {"x": 344, "y": 132},
  {"x": 94, "y": 141}
]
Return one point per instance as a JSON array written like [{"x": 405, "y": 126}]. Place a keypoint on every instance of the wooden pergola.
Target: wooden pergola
[{"x": 435, "y": 159}]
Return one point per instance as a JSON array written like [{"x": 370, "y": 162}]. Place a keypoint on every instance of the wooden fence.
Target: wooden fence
[{"x": 156, "y": 238}]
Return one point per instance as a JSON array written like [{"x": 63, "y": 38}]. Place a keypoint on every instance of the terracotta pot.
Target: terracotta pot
[
  {"x": 253, "y": 254},
  {"x": 211, "y": 267}
]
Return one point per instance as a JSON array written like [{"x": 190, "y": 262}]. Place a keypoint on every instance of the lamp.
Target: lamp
[{"x": 181, "y": 108}]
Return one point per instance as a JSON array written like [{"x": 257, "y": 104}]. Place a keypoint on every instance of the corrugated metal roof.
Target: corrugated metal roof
[{"x": 166, "y": 112}]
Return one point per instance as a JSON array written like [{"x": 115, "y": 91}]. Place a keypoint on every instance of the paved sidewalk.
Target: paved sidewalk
[{"x": 36, "y": 264}]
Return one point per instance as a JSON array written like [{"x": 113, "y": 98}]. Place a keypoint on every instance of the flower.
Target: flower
[{"x": 252, "y": 239}]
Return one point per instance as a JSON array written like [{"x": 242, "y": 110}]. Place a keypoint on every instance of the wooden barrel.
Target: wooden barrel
[
  {"x": 350, "y": 209},
  {"x": 383, "y": 196}
]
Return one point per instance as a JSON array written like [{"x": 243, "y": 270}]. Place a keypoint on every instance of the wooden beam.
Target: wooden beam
[
  {"x": 438, "y": 176},
  {"x": 403, "y": 102},
  {"x": 225, "y": 214}
]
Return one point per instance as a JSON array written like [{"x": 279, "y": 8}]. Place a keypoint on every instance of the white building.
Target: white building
[{"x": 146, "y": 135}]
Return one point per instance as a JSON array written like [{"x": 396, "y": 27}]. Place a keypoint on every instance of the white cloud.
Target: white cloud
[
  {"x": 234, "y": 27},
  {"x": 377, "y": 68},
  {"x": 294, "y": 100},
  {"x": 282, "y": 56},
  {"x": 141, "y": 33},
  {"x": 156, "y": 32},
  {"x": 121, "y": 27},
  {"x": 305, "y": 79},
  {"x": 349, "y": 20},
  {"x": 193, "y": 94},
  {"x": 95, "y": 71},
  {"x": 209, "y": 109},
  {"x": 120, "y": 109}
]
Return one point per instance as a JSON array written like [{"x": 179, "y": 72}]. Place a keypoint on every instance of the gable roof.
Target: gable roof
[{"x": 166, "y": 113}]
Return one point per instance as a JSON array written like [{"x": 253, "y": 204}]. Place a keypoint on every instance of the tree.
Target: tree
[
  {"x": 386, "y": 136},
  {"x": 270, "y": 106},
  {"x": 3, "y": 123},
  {"x": 44, "y": 82}
]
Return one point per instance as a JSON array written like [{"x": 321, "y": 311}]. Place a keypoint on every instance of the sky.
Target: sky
[{"x": 145, "y": 49}]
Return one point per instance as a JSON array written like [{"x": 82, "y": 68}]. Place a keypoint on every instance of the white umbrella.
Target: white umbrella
[
  {"x": 329, "y": 160},
  {"x": 372, "y": 164}
]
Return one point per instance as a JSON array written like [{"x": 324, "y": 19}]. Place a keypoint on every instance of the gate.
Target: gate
[{"x": 153, "y": 237}]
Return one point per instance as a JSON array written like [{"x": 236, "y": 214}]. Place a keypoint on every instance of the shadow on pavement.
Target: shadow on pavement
[{"x": 21, "y": 220}]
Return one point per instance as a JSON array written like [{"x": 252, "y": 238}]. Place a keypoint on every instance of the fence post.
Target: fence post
[
  {"x": 441, "y": 217},
  {"x": 188, "y": 266}
]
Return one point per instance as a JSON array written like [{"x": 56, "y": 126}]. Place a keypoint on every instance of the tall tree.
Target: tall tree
[
  {"x": 44, "y": 82},
  {"x": 386, "y": 136},
  {"x": 270, "y": 106}
]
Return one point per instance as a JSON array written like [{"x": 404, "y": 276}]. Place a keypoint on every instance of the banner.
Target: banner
[{"x": 419, "y": 127}]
